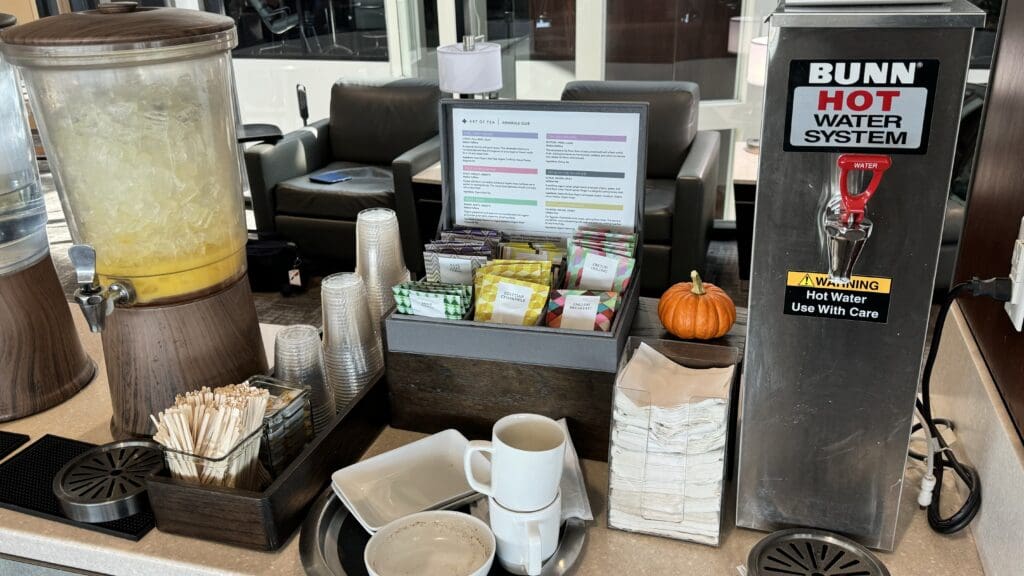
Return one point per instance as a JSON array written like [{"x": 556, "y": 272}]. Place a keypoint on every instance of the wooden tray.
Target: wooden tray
[
  {"x": 265, "y": 520},
  {"x": 432, "y": 392}
]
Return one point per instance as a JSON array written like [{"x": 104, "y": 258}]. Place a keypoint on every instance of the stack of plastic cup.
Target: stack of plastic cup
[
  {"x": 379, "y": 259},
  {"x": 299, "y": 359},
  {"x": 353, "y": 352}
]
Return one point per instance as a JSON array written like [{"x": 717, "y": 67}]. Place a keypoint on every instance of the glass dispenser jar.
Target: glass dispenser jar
[
  {"x": 22, "y": 212},
  {"x": 137, "y": 113}
]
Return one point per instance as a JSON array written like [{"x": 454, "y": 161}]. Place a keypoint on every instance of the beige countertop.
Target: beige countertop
[{"x": 919, "y": 552}]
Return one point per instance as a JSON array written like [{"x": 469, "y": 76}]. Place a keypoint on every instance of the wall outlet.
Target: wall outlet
[{"x": 1015, "y": 307}]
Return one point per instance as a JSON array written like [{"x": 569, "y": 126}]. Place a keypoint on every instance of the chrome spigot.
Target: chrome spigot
[
  {"x": 96, "y": 302},
  {"x": 844, "y": 242}
]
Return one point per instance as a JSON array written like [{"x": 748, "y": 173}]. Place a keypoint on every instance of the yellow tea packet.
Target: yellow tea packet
[
  {"x": 509, "y": 300},
  {"x": 538, "y": 272}
]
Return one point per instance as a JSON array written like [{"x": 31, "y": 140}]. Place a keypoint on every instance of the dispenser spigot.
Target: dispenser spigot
[
  {"x": 96, "y": 302},
  {"x": 855, "y": 204},
  {"x": 847, "y": 230}
]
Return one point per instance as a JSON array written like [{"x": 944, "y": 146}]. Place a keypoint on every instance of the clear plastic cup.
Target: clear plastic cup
[
  {"x": 353, "y": 353},
  {"x": 347, "y": 318},
  {"x": 299, "y": 358},
  {"x": 379, "y": 259}
]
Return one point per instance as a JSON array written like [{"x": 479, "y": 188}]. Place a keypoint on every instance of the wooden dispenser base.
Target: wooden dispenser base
[
  {"x": 42, "y": 362},
  {"x": 153, "y": 353}
]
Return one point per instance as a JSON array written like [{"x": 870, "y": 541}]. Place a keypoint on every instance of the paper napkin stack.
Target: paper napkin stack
[{"x": 667, "y": 461}]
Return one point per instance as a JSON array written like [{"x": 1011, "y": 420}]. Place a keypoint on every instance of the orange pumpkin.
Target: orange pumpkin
[{"x": 696, "y": 310}]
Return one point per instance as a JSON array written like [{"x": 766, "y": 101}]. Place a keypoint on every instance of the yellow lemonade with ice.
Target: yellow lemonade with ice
[{"x": 151, "y": 179}]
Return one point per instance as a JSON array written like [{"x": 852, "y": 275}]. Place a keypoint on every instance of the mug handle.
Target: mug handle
[
  {"x": 533, "y": 554},
  {"x": 467, "y": 464}
]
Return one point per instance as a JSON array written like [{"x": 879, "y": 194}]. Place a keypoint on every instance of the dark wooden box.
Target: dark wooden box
[
  {"x": 265, "y": 520},
  {"x": 429, "y": 392}
]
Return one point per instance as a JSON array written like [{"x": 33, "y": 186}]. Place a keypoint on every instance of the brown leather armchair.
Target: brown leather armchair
[
  {"x": 682, "y": 176},
  {"x": 380, "y": 134}
]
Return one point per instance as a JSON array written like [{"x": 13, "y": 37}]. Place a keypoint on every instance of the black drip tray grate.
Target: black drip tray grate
[{"x": 26, "y": 485}]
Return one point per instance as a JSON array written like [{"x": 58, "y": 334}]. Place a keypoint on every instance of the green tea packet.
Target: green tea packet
[{"x": 434, "y": 300}]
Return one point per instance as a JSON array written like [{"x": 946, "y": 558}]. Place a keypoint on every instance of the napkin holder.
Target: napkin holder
[{"x": 638, "y": 500}]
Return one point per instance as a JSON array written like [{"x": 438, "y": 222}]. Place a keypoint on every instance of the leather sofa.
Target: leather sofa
[
  {"x": 380, "y": 134},
  {"x": 682, "y": 176}
]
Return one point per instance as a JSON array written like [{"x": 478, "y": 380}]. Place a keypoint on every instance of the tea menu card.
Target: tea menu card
[{"x": 544, "y": 172}]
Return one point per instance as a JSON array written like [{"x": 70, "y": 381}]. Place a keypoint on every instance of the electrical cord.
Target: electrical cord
[
  {"x": 999, "y": 289},
  {"x": 924, "y": 497},
  {"x": 943, "y": 422}
]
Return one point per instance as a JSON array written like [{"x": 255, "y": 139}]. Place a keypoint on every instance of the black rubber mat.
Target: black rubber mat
[
  {"x": 26, "y": 485},
  {"x": 9, "y": 442}
]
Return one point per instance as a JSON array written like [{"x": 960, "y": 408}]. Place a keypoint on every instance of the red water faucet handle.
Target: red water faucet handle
[{"x": 854, "y": 204}]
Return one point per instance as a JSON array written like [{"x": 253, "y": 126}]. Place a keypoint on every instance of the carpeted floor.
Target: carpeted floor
[{"x": 304, "y": 308}]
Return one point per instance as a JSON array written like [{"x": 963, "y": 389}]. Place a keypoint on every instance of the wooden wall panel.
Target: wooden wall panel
[
  {"x": 641, "y": 31},
  {"x": 663, "y": 31},
  {"x": 995, "y": 211}
]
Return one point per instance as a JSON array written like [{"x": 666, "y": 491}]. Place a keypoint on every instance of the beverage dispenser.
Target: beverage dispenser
[
  {"x": 42, "y": 362},
  {"x": 861, "y": 113},
  {"x": 136, "y": 107}
]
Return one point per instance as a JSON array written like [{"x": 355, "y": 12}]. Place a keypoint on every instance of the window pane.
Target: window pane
[
  {"x": 542, "y": 46},
  {"x": 310, "y": 29},
  {"x": 673, "y": 40}
]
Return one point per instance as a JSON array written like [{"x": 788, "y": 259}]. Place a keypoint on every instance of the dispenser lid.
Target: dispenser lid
[
  {"x": 7, "y": 20},
  {"x": 120, "y": 26},
  {"x": 875, "y": 14}
]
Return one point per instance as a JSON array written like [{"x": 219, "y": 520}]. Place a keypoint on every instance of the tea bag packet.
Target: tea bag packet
[
  {"x": 606, "y": 241},
  {"x": 538, "y": 250},
  {"x": 537, "y": 272},
  {"x": 439, "y": 245},
  {"x": 433, "y": 299},
  {"x": 608, "y": 248},
  {"x": 509, "y": 301},
  {"x": 487, "y": 240},
  {"x": 590, "y": 269},
  {"x": 474, "y": 248},
  {"x": 473, "y": 232},
  {"x": 620, "y": 233},
  {"x": 452, "y": 268},
  {"x": 582, "y": 309},
  {"x": 465, "y": 290}
]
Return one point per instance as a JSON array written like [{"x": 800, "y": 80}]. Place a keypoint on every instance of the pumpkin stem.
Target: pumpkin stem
[{"x": 698, "y": 286}]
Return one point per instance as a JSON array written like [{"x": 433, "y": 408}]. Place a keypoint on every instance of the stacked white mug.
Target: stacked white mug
[{"x": 527, "y": 455}]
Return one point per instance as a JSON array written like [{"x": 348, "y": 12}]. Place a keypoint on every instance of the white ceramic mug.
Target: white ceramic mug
[
  {"x": 527, "y": 452},
  {"x": 525, "y": 539}
]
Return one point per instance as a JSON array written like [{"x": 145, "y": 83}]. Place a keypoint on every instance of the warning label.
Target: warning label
[
  {"x": 864, "y": 298},
  {"x": 870, "y": 106}
]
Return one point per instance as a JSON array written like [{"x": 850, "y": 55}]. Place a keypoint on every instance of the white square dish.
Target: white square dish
[{"x": 423, "y": 475}]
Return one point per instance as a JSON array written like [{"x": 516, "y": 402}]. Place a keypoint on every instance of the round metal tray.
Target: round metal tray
[
  {"x": 810, "y": 552},
  {"x": 332, "y": 542},
  {"x": 108, "y": 482}
]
